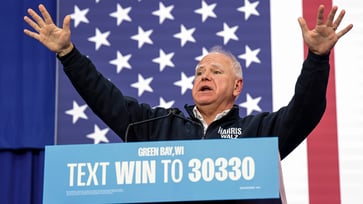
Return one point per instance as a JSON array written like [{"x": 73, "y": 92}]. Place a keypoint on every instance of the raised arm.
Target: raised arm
[
  {"x": 323, "y": 37},
  {"x": 45, "y": 31}
]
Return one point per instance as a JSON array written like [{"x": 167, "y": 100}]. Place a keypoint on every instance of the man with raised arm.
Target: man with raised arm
[{"x": 218, "y": 82}]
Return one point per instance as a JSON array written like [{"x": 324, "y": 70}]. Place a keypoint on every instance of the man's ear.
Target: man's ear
[{"x": 238, "y": 87}]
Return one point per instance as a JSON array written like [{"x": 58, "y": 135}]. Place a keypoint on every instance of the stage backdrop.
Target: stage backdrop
[
  {"x": 150, "y": 48},
  {"x": 27, "y": 104},
  {"x": 266, "y": 38}
]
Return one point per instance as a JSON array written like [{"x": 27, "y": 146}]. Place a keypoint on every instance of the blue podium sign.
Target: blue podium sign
[{"x": 187, "y": 170}]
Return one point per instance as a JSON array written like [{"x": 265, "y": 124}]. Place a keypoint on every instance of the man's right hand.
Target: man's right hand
[{"x": 54, "y": 38}]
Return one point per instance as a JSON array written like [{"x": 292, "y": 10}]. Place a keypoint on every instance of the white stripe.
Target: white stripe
[
  {"x": 287, "y": 59},
  {"x": 349, "y": 85}
]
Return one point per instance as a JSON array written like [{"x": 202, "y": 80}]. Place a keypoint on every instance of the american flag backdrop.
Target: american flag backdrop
[{"x": 150, "y": 48}]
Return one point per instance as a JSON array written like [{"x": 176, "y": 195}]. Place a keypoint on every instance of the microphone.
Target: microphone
[{"x": 170, "y": 111}]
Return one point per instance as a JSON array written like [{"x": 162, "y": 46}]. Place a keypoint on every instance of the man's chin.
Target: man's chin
[{"x": 201, "y": 103}]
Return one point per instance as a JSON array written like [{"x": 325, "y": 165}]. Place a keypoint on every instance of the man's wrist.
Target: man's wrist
[{"x": 66, "y": 50}]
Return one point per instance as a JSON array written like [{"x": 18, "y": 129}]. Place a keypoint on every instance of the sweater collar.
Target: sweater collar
[{"x": 233, "y": 112}]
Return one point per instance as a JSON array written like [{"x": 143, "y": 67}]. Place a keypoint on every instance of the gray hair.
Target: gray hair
[{"x": 235, "y": 63}]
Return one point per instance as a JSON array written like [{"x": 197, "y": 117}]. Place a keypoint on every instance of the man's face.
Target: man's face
[{"x": 216, "y": 84}]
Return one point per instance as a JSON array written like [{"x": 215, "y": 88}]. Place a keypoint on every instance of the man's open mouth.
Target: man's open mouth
[{"x": 205, "y": 88}]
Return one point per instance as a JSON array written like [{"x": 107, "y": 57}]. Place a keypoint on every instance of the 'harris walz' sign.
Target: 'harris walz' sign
[{"x": 162, "y": 171}]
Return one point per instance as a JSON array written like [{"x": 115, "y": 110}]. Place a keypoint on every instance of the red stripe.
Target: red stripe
[{"x": 322, "y": 144}]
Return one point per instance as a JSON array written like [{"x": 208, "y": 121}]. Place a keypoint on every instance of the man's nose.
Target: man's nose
[{"x": 206, "y": 76}]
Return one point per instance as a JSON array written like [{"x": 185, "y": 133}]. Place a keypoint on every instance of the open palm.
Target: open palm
[
  {"x": 323, "y": 37},
  {"x": 54, "y": 38}
]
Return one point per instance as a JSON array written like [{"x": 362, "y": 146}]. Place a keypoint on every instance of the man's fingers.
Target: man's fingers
[
  {"x": 31, "y": 23},
  {"x": 36, "y": 17},
  {"x": 303, "y": 25},
  {"x": 67, "y": 23},
  {"x": 31, "y": 34},
  {"x": 345, "y": 30},
  {"x": 320, "y": 16},
  {"x": 331, "y": 16},
  {"x": 339, "y": 19},
  {"x": 46, "y": 16}
]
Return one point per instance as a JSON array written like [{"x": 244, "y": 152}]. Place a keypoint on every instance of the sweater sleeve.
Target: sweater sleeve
[
  {"x": 298, "y": 119},
  {"x": 101, "y": 95}
]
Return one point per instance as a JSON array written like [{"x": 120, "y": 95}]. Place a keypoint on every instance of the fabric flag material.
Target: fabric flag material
[
  {"x": 150, "y": 48},
  {"x": 328, "y": 167}
]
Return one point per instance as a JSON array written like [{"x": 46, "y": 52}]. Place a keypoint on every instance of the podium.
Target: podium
[{"x": 181, "y": 170}]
